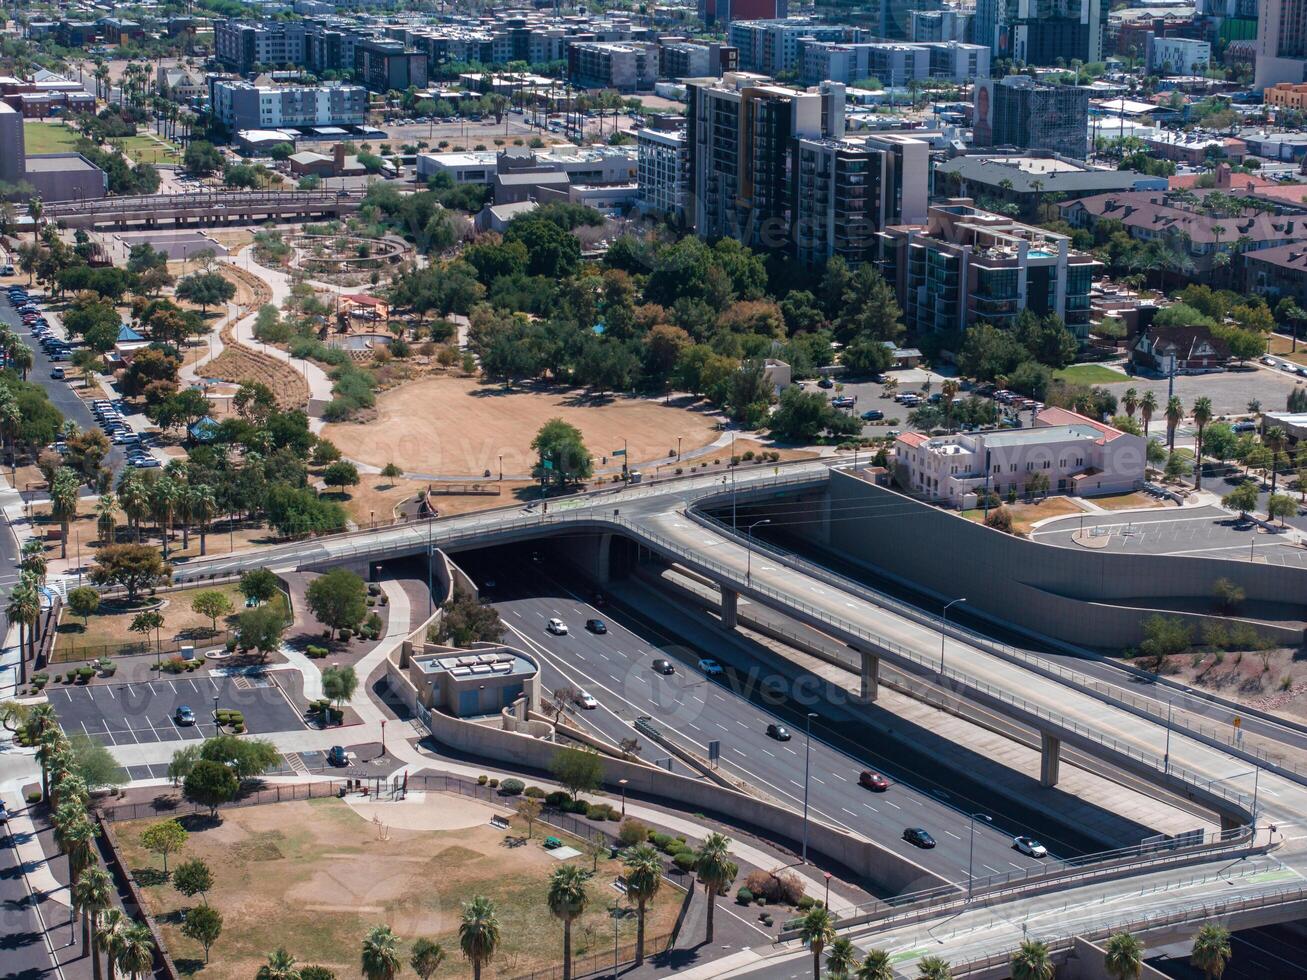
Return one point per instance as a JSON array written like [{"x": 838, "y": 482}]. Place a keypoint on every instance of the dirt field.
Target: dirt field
[
  {"x": 181, "y": 623},
  {"x": 378, "y": 498},
  {"x": 455, "y": 426},
  {"x": 314, "y": 877},
  {"x": 1025, "y": 515}
]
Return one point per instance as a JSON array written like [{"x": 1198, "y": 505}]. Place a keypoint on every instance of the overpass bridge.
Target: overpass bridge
[{"x": 202, "y": 209}]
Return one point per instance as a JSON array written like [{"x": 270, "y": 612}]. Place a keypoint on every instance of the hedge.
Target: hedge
[{"x": 512, "y": 787}]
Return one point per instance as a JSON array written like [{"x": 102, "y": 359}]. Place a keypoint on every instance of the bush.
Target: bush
[
  {"x": 512, "y": 787},
  {"x": 684, "y": 861},
  {"x": 613, "y": 815},
  {"x": 535, "y": 792},
  {"x": 743, "y": 896},
  {"x": 808, "y": 902},
  {"x": 631, "y": 833},
  {"x": 84, "y": 674},
  {"x": 776, "y": 886},
  {"x": 494, "y": 783},
  {"x": 482, "y": 780},
  {"x": 658, "y": 839},
  {"x": 556, "y": 799},
  {"x": 597, "y": 811},
  {"x": 346, "y": 635},
  {"x": 34, "y": 797},
  {"x": 579, "y": 807}
]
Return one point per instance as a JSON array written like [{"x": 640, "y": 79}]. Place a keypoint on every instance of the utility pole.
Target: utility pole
[{"x": 807, "y": 755}]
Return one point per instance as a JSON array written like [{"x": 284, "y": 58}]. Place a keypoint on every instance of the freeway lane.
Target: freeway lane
[{"x": 616, "y": 669}]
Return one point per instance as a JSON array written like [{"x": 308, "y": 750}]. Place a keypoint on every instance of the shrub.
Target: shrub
[
  {"x": 34, "y": 797},
  {"x": 555, "y": 799},
  {"x": 84, "y": 674},
  {"x": 743, "y": 896},
  {"x": 658, "y": 839},
  {"x": 613, "y": 815},
  {"x": 596, "y": 811},
  {"x": 684, "y": 861},
  {"x": 512, "y": 787},
  {"x": 631, "y": 833},
  {"x": 535, "y": 792},
  {"x": 808, "y": 902},
  {"x": 494, "y": 783},
  {"x": 482, "y": 780},
  {"x": 346, "y": 635},
  {"x": 775, "y": 886}
]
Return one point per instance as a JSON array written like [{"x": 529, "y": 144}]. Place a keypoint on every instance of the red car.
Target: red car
[{"x": 873, "y": 780}]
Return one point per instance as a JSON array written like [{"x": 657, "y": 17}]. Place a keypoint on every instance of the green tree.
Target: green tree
[
  {"x": 92, "y": 895},
  {"x": 209, "y": 784},
  {"x": 201, "y": 158},
  {"x": 380, "y": 954},
  {"x": 258, "y": 584},
  {"x": 132, "y": 566},
  {"x": 146, "y": 622},
  {"x": 842, "y": 959},
  {"x": 261, "y": 629},
  {"x": 715, "y": 871},
  {"x": 1174, "y": 413},
  {"x": 1202, "y": 414},
  {"x": 804, "y": 415},
  {"x": 205, "y": 289},
  {"x": 1032, "y": 962},
  {"x": 567, "y": 899},
  {"x": 203, "y": 923},
  {"x": 246, "y": 757},
  {"x": 644, "y": 877},
  {"x": 183, "y": 760},
  {"x": 561, "y": 454},
  {"x": 876, "y": 965},
  {"x": 933, "y": 968},
  {"x": 1211, "y": 951},
  {"x": 339, "y": 599},
  {"x": 816, "y": 931},
  {"x": 83, "y": 601},
  {"x": 1164, "y": 636},
  {"x": 426, "y": 957},
  {"x": 339, "y": 684},
  {"x": 280, "y": 966},
  {"x": 63, "y": 503},
  {"x": 1280, "y": 506},
  {"x": 478, "y": 932},
  {"x": 163, "y": 838},
  {"x": 134, "y": 950},
  {"x": 1124, "y": 957},
  {"x": 212, "y": 603},
  {"x": 577, "y": 770},
  {"x": 193, "y": 878},
  {"x": 1242, "y": 498},
  {"x": 465, "y": 621},
  {"x": 341, "y": 474}
]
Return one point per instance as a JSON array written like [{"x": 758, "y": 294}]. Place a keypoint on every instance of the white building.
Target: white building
[
  {"x": 1178, "y": 56},
  {"x": 664, "y": 171},
  {"x": 1073, "y": 453},
  {"x": 477, "y": 167}
]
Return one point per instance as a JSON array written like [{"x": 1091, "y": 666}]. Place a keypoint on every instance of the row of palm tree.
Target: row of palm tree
[
  {"x": 169, "y": 499},
  {"x": 23, "y": 605}
]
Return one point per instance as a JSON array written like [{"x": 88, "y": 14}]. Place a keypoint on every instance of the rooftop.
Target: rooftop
[
  {"x": 487, "y": 663},
  {"x": 1041, "y": 434}
]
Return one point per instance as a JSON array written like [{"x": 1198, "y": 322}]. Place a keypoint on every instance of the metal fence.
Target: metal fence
[
  {"x": 602, "y": 963},
  {"x": 68, "y": 653},
  {"x": 280, "y": 793}
]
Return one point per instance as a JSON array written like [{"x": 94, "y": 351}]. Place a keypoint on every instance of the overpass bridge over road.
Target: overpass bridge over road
[{"x": 199, "y": 210}]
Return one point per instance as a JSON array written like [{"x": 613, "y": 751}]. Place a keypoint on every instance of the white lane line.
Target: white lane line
[
  {"x": 871, "y": 808},
  {"x": 894, "y": 805},
  {"x": 839, "y": 777},
  {"x": 109, "y": 691},
  {"x": 818, "y": 779},
  {"x": 768, "y": 753},
  {"x": 193, "y": 687},
  {"x": 796, "y": 783},
  {"x": 694, "y": 726},
  {"x": 953, "y": 835},
  {"x": 848, "y": 811}
]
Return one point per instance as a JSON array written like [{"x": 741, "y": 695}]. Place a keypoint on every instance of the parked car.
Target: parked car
[
  {"x": 557, "y": 627},
  {"x": 57, "y": 373},
  {"x": 1245, "y": 425},
  {"x": 844, "y": 401},
  {"x": 1269, "y": 361},
  {"x": 710, "y": 667},
  {"x": 4, "y": 813},
  {"x": 184, "y": 716},
  {"x": 873, "y": 415},
  {"x": 337, "y": 756},
  {"x": 825, "y": 383},
  {"x": 873, "y": 780},
  {"x": 778, "y": 732},
  {"x": 1029, "y": 846},
  {"x": 661, "y": 666},
  {"x": 597, "y": 626},
  {"x": 918, "y": 837}
]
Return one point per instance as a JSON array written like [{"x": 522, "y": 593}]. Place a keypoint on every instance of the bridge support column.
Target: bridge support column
[
  {"x": 1229, "y": 823},
  {"x": 869, "y": 689},
  {"x": 1050, "y": 759},
  {"x": 730, "y": 600}
]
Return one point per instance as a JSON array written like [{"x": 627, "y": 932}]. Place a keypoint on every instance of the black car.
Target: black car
[
  {"x": 778, "y": 732},
  {"x": 336, "y": 756},
  {"x": 918, "y": 837},
  {"x": 664, "y": 667},
  {"x": 596, "y": 626}
]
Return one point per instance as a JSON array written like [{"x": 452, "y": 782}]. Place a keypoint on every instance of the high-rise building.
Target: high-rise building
[
  {"x": 626, "y": 66},
  {"x": 723, "y": 12},
  {"x": 238, "y": 104},
  {"x": 893, "y": 63},
  {"x": 1018, "y": 111},
  {"x": 1042, "y": 32},
  {"x": 664, "y": 171},
  {"x": 1281, "y": 43},
  {"x": 771, "y": 47}
]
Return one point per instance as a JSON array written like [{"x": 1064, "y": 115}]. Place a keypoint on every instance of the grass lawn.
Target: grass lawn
[
  {"x": 1090, "y": 374},
  {"x": 146, "y": 149},
  {"x": 41, "y": 137},
  {"x": 1025, "y": 515},
  {"x": 314, "y": 876},
  {"x": 1282, "y": 346}
]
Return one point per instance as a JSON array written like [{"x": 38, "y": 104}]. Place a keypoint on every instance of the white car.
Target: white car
[
  {"x": 710, "y": 667},
  {"x": 1030, "y": 846},
  {"x": 1268, "y": 361},
  {"x": 557, "y": 627},
  {"x": 587, "y": 701}
]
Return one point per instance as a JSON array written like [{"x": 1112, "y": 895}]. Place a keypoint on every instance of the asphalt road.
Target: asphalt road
[
  {"x": 616, "y": 669},
  {"x": 23, "y": 952}
]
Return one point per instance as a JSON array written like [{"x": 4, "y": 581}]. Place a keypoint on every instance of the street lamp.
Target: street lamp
[
  {"x": 383, "y": 736},
  {"x": 807, "y": 755},
  {"x": 215, "y": 713},
  {"x": 943, "y": 626},
  {"x": 622, "y": 783},
  {"x": 748, "y": 550},
  {"x": 971, "y": 850}
]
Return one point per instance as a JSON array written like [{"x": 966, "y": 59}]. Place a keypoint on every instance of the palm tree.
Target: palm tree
[
  {"x": 24, "y": 608},
  {"x": 380, "y": 956},
  {"x": 136, "y": 951},
  {"x": 1211, "y": 951},
  {"x": 876, "y": 966},
  {"x": 63, "y": 504},
  {"x": 79, "y": 841},
  {"x": 1174, "y": 413},
  {"x": 108, "y": 937},
  {"x": 816, "y": 931},
  {"x": 1031, "y": 961},
  {"x": 1131, "y": 402},
  {"x": 933, "y": 968},
  {"x": 134, "y": 498},
  {"x": 280, "y": 966},
  {"x": 478, "y": 932},
  {"x": 1124, "y": 959},
  {"x": 842, "y": 958},
  {"x": 1275, "y": 440},
  {"x": 644, "y": 876},
  {"x": 34, "y": 210},
  {"x": 92, "y": 895},
  {"x": 1147, "y": 406},
  {"x": 567, "y": 901},
  {"x": 203, "y": 505},
  {"x": 105, "y": 522},
  {"x": 1202, "y": 415},
  {"x": 715, "y": 870}
]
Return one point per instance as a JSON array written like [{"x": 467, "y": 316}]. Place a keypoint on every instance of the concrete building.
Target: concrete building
[
  {"x": 894, "y": 64},
  {"x": 1017, "y": 111},
  {"x": 1281, "y": 43},
  {"x": 1178, "y": 56},
  {"x": 243, "y": 45},
  {"x": 964, "y": 266},
  {"x": 1289, "y": 95},
  {"x": 385, "y": 65},
  {"x": 1042, "y": 32},
  {"x": 770, "y": 47},
  {"x": 626, "y": 66},
  {"x": 690, "y": 59},
  {"x": 939, "y": 25},
  {"x": 1063, "y": 452},
  {"x": 477, "y": 167},
  {"x": 721, "y": 13},
  {"x": 1025, "y": 179},
  {"x": 664, "y": 171},
  {"x": 49, "y": 176},
  {"x": 466, "y": 682},
  {"x": 244, "y": 105}
]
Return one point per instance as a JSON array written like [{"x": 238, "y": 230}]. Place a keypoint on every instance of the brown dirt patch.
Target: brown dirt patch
[
  {"x": 1025, "y": 515},
  {"x": 1126, "y": 501}
]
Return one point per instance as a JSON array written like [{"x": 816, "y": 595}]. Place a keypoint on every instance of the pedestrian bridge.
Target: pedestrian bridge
[{"x": 203, "y": 209}]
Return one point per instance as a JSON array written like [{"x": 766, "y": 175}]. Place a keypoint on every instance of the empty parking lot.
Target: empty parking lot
[
  {"x": 134, "y": 714},
  {"x": 1200, "y": 532}
]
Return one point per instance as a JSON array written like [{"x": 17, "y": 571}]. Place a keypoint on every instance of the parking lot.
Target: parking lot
[
  {"x": 365, "y": 761},
  {"x": 1230, "y": 391},
  {"x": 134, "y": 714},
  {"x": 1200, "y": 532}
]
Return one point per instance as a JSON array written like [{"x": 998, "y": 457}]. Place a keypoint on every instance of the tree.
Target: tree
[
  {"x": 567, "y": 899},
  {"x": 163, "y": 838},
  {"x": 561, "y": 454},
  {"x": 1124, "y": 959},
  {"x": 1174, "y": 413},
  {"x": 212, "y": 603},
  {"x": 183, "y": 760},
  {"x": 92, "y": 894},
  {"x": 478, "y": 932},
  {"x": 341, "y": 474},
  {"x": 146, "y": 622},
  {"x": 380, "y": 954},
  {"x": 715, "y": 871},
  {"x": 339, "y": 684},
  {"x": 1280, "y": 506},
  {"x": 933, "y": 968},
  {"x": 465, "y": 621},
  {"x": 135, "y": 949},
  {"x": 63, "y": 504},
  {"x": 1202, "y": 414},
  {"x": 203, "y": 924},
  {"x": 804, "y": 415},
  {"x": 644, "y": 877},
  {"x": 83, "y": 601},
  {"x": 205, "y": 289},
  {"x": 246, "y": 757},
  {"x": 842, "y": 958},
  {"x": 280, "y": 966},
  {"x": 1242, "y": 498},
  {"x": 201, "y": 158},
  {"x": 261, "y": 629},
  {"x": 1275, "y": 439},
  {"x": 876, "y": 965},
  {"x": 132, "y": 566},
  {"x": 258, "y": 584},
  {"x": 209, "y": 784},
  {"x": 577, "y": 770},
  {"x": 339, "y": 599},
  {"x": 816, "y": 931},
  {"x": 1031, "y": 961},
  {"x": 193, "y": 878},
  {"x": 1164, "y": 636},
  {"x": 107, "y": 936},
  {"x": 529, "y": 810},
  {"x": 1211, "y": 951},
  {"x": 426, "y": 957}
]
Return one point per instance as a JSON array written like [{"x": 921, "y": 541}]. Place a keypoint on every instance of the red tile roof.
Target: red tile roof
[
  {"x": 913, "y": 439},
  {"x": 1064, "y": 416}
]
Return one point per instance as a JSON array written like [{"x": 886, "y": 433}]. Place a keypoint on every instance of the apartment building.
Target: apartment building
[
  {"x": 625, "y": 66},
  {"x": 1178, "y": 55},
  {"x": 1042, "y": 32},
  {"x": 723, "y": 12},
  {"x": 243, "y": 105},
  {"x": 893, "y": 63},
  {"x": 770, "y": 47},
  {"x": 690, "y": 59},
  {"x": 939, "y": 25},
  {"x": 1063, "y": 452},
  {"x": 663, "y": 171},
  {"x": 965, "y": 265},
  {"x": 1018, "y": 111},
  {"x": 243, "y": 46},
  {"x": 1281, "y": 43},
  {"x": 385, "y": 65}
]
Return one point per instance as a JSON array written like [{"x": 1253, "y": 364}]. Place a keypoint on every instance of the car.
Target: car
[
  {"x": 57, "y": 373},
  {"x": 844, "y": 401},
  {"x": 145, "y": 463},
  {"x": 1286, "y": 366},
  {"x": 872, "y": 780},
  {"x": 4, "y": 813},
  {"x": 661, "y": 666},
  {"x": 60, "y": 355},
  {"x": 893, "y": 433},
  {"x": 1268, "y": 361},
  {"x": 552, "y": 843},
  {"x": 825, "y": 383},
  {"x": 778, "y": 732},
  {"x": 1029, "y": 846},
  {"x": 874, "y": 415},
  {"x": 557, "y": 627},
  {"x": 918, "y": 837},
  {"x": 183, "y": 716},
  {"x": 587, "y": 701},
  {"x": 125, "y": 438},
  {"x": 710, "y": 667},
  {"x": 1244, "y": 425},
  {"x": 336, "y": 756},
  {"x": 597, "y": 626}
]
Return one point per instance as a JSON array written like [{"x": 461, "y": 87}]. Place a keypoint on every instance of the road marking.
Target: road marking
[
  {"x": 694, "y": 726},
  {"x": 798, "y": 784},
  {"x": 871, "y": 808},
  {"x": 992, "y": 871},
  {"x": 894, "y": 805},
  {"x": 194, "y": 688},
  {"x": 1017, "y": 866},
  {"x": 953, "y": 835},
  {"x": 734, "y": 749},
  {"x": 818, "y": 779},
  {"x": 109, "y": 690},
  {"x": 769, "y": 753},
  {"x": 848, "y": 811},
  {"x": 839, "y": 777}
]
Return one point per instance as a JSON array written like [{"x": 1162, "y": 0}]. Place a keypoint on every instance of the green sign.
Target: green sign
[
  {"x": 618, "y": 452},
  {"x": 547, "y": 464}
]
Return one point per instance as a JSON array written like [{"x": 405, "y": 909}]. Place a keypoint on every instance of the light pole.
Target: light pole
[
  {"x": 943, "y": 627},
  {"x": 748, "y": 550},
  {"x": 622, "y": 783},
  {"x": 807, "y": 755},
  {"x": 971, "y": 849},
  {"x": 383, "y": 736},
  {"x": 827, "y": 902},
  {"x": 1166, "y": 758},
  {"x": 215, "y": 714}
]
